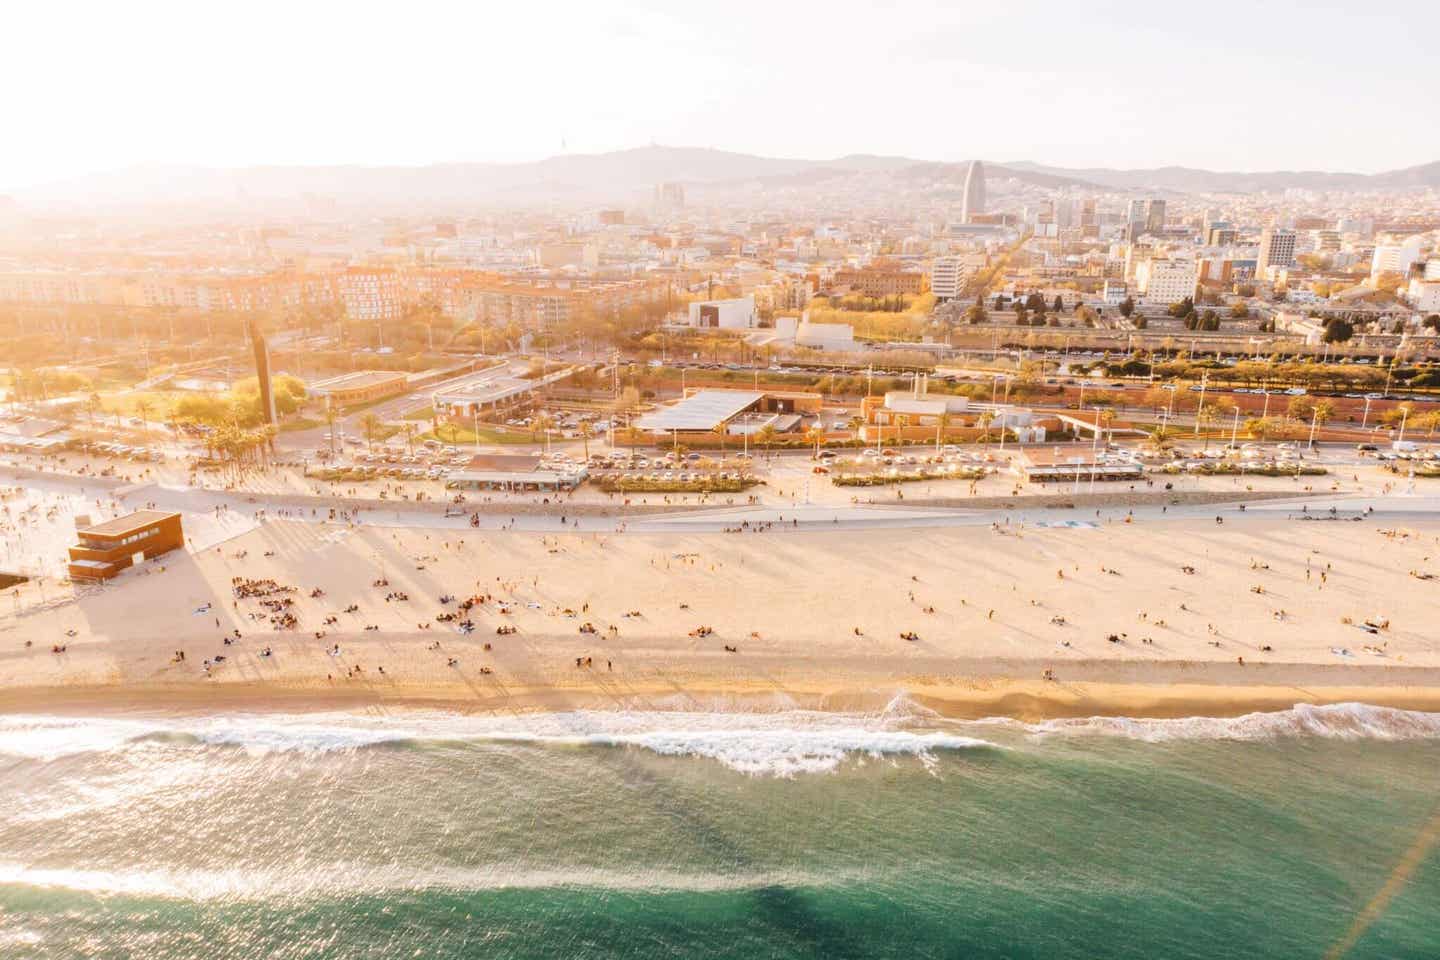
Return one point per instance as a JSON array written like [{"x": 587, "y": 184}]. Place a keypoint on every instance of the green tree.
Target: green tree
[
  {"x": 371, "y": 425},
  {"x": 1338, "y": 330},
  {"x": 815, "y": 435},
  {"x": 1127, "y": 307},
  {"x": 142, "y": 407}
]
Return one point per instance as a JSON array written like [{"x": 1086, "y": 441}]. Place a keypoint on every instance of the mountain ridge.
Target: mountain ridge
[{"x": 627, "y": 175}]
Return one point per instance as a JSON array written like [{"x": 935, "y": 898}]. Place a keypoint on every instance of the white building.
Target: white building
[
  {"x": 1309, "y": 328},
  {"x": 948, "y": 276},
  {"x": 816, "y": 336},
  {"x": 1114, "y": 292},
  {"x": 1424, "y": 295},
  {"x": 1394, "y": 257},
  {"x": 736, "y": 314},
  {"x": 1165, "y": 281}
]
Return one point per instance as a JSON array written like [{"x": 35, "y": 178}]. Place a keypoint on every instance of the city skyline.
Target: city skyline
[{"x": 1090, "y": 88}]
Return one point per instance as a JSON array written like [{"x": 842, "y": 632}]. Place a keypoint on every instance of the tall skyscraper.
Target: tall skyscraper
[
  {"x": 1155, "y": 218},
  {"x": 974, "y": 191},
  {"x": 1135, "y": 220}
]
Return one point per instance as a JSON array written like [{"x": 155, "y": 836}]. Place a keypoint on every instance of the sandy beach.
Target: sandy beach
[{"x": 1157, "y": 617}]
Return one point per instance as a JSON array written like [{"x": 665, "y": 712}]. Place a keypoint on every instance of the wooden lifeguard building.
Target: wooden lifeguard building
[{"x": 107, "y": 548}]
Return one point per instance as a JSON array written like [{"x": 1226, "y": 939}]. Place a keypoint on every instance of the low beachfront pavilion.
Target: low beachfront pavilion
[
  {"x": 515, "y": 472},
  {"x": 700, "y": 411},
  {"x": 703, "y": 409}
]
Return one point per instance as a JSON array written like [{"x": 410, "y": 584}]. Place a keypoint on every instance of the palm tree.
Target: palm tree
[
  {"x": 92, "y": 405},
  {"x": 370, "y": 424},
  {"x": 720, "y": 431},
  {"x": 142, "y": 407},
  {"x": 585, "y": 438},
  {"x": 1107, "y": 418},
  {"x": 410, "y": 429},
  {"x": 541, "y": 423},
  {"x": 266, "y": 439},
  {"x": 816, "y": 436},
  {"x": 1161, "y": 440},
  {"x": 330, "y": 422},
  {"x": 1205, "y": 419},
  {"x": 1324, "y": 411},
  {"x": 766, "y": 435},
  {"x": 942, "y": 425},
  {"x": 983, "y": 422}
]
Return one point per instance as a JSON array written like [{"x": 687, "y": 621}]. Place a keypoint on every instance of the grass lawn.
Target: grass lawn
[
  {"x": 128, "y": 404},
  {"x": 451, "y": 433},
  {"x": 300, "y": 423}
]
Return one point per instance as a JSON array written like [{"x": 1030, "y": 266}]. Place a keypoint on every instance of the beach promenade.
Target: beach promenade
[{"x": 1152, "y": 608}]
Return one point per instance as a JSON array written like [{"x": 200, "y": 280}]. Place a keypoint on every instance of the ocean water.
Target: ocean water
[{"x": 1312, "y": 832}]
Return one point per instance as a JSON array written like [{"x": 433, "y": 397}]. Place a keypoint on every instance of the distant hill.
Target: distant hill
[
  {"x": 1191, "y": 180},
  {"x": 617, "y": 177}
]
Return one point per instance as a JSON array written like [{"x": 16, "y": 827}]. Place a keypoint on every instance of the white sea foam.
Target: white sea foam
[
  {"x": 1338, "y": 721},
  {"x": 784, "y": 743},
  {"x": 775, "y": 744},
  {"x": 49, "y": 738}
]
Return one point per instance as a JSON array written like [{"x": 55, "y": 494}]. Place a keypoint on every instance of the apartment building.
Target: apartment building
[
  {"x": 370, "y": 293},
  {"x": 1277, "y": 250},
  {"x": 1394, "y": 257},
  {"x": 948, "y": 276},
  {"x": 1165, "y": 281},
  {"x": 879, "y": 282}
]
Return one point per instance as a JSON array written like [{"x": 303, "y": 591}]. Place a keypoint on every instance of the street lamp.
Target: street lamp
[
  {"x": 1095, "y": 450},
  {"x": 1204, "y": 381}
]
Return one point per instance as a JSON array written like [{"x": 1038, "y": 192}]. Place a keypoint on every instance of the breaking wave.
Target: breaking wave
[
  {"x": 784, "y": 743},
  {"x": 1336, "y": 721},
  {"x": 774, "y": 744}
]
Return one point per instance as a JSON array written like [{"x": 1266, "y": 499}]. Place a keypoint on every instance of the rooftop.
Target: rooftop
[
  {"x": 519, "y": 462},
  {"x": 702, "y": 410},
  {"x": 129, "y": 523},
  {"x": 357, "y": 380},
  {"x": 486, "y": 388}
]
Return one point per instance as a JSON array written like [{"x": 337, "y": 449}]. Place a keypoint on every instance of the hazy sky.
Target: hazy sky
[{"x": 1234, "y": 85}]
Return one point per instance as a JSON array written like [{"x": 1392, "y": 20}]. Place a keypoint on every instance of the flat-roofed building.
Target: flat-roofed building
[
  {"x": 370, "y": 293},
  {"x": 702, "y": 410},
  {"x": 484, "y": 393},
  {"x": 1076, "y": 464},
  {"x": 362, "y": 386},
  {"x": 107, "y": 548},
  {"x": 735, "y": 314},
  {"x": 881, "y": 281},
  {"x": 515, "y": 472},
  {"x": 1166, "y": 281}
]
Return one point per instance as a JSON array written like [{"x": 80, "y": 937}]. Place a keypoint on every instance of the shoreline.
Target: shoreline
[{"x": 1277, "y": 687}]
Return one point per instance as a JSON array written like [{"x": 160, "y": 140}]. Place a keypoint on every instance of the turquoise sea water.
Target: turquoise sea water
[{"x": 745, "y": 835}]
